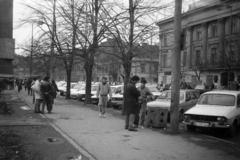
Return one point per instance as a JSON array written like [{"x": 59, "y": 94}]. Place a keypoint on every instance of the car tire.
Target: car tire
[
  {"x": 232, "y": 131},
  {"x": 181, "y": 112},
  {"x": 191, "y": 128}
]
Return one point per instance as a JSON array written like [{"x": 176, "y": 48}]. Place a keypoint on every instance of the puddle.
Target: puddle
[{"x": 25, "y": 108}]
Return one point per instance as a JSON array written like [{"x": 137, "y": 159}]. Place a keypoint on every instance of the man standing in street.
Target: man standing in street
[
  {"x": 102, "y": 92},
  {"x": 46, "y": 89},
  {"x": 132, "y": 104},
  {"x": 146, "y": 95}
]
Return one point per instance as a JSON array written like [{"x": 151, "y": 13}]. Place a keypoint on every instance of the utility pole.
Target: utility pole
[
  {"x": 175, "y": 91},
  {"x": 31, "y": 54},
  {"x": 52, "y": 40}
]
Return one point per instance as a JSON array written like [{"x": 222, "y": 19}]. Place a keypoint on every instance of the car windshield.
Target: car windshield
[
  {"x": 113, "y": 89},
  {"x": 217, "y": 99},
  {"x": 153, "y": 88},
  {"x": 77, "y": 86},
  {"x": 167, "y": 95},
  {"x": 94, "y": 88}
]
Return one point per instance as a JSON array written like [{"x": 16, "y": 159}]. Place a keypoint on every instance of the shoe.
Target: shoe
[
  {"x": 100, "y": 114},
  {"x": 132, "y": 128},
  {"x": 104, "y": 116},
  {"x": 126, "y": 126}
]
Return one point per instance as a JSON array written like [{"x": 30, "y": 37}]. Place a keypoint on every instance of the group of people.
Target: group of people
[
  {"x": 7, "y": 83},
  {"x": 44, "y": 93},
  {"x": 136, "y": 101}
]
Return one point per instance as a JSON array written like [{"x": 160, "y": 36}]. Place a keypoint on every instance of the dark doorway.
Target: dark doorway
[{"x": 224, "y": 78}]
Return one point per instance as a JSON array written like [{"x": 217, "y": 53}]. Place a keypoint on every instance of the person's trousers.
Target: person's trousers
[
  {"x": 29, "y": 91},
  {"x": 143, "y": 112},
  {"x": 47, "y": 100},
  {"x": 102, "y": 104},
  {"x": 33, "y": 97},
  {"x": 37, "y": 105}
]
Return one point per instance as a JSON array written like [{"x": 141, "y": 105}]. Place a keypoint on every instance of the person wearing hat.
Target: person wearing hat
[
  {"x": 132, "y": 104},
  {"x": 46, "y": 89}
]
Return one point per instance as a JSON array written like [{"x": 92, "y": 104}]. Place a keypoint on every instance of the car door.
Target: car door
[
  {"x": 194, "y": 99},
  {"x": 238, "y": 108},
  {"x": 185, "y": 105}
]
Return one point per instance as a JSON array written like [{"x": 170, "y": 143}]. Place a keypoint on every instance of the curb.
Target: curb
[{"x": 84, "y": 152}]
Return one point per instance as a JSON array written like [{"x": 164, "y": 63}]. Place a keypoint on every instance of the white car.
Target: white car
[
  {"x": 215, "y": 109},
  {"x": 63, "y": 90},
  {"x": 154, "y": 90},
  {"x": 187, "y": 99},
  {"x": 81, "y": 93},
  {"x": 117, "y": 96},
  {"x": 78, "y": 89}
]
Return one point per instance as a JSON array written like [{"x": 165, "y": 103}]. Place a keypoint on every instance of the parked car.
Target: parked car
[
  {"x": 81, "y": 94},
  {"x": 64, "y": 89},
  {"x": 117, "y": 96},
  {"x": 202, "y": 88},
  {"x": 187, "y": 99},
  {"x": 79, "y": 88},
  {"x": 215, "y": 109},
  {"x": 166, "y": 87}
]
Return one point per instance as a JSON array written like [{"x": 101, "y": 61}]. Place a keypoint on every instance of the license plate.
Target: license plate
[{"x": 201, "y": 124}]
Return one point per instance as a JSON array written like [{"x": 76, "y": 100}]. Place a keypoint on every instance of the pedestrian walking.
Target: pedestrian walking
[
  {"x": 38, "y": 96},
  {"x": 46, "y": 89},
  {"x": 19, "y": 84},
  {"x": 32, "y": 92},
  {"x": 28, "y": 85},
  {"x": 103, "y": 91},
  {"x": 132, "y": 104},
  {"x": 55, "y": 90},
  {"x": 146, "y": 95}
]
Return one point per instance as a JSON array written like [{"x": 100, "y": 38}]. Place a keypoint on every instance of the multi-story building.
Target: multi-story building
[
  {"x": 144, "y": 64},
  {"x": 210, "y": 43},
  {"x": 7, "y": 43}
]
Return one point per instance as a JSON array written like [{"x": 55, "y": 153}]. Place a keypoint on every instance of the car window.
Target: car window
[
  {"x": 217, "y": 99},
  {"x": 153, "y": 89},
  {"x": 94, "y": 88},
  {"x": 188, "y": 96},
  {"x": 167, "y": 95},
  {"x": 192, "y": 95},
  {"x": 238, "y": 101},
  {"x": 197, "y": 94},
  {"x": 119, "y": 90},
  {"x": 113, "y": 89}
]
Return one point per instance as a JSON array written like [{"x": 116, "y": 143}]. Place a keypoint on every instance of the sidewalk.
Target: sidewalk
[
  {"x": 27, "y": 136},
  {"x": 106, "y": 138}
]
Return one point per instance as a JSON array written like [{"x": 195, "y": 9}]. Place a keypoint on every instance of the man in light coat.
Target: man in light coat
[
  {"x": 103, "y": 91},
  {"x": 38, "y": 94}
]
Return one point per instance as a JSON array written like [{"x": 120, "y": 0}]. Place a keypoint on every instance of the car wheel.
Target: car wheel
[
  {"x": 181, "y": 112},
  {"x": 191, "y": 128},
  {"x": 232, "y": 131}
]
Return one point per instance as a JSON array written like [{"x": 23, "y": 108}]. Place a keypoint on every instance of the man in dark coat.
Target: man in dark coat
[
  {"x": 132, "y": 103},
  {"x": 46, "y": 89}
]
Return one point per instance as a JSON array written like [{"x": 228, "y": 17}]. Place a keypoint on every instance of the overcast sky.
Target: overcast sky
[{"x": 23, "y": 34}]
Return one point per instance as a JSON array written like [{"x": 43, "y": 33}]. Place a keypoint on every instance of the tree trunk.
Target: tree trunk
[
  {"x": 69, "y": 73},
  {"x": 174, "y": 111},
  {"x": 88, "y": 68},
  {"x": 127, "y": 68}
]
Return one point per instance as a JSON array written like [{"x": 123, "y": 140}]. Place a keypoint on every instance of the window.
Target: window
[
  {"x": 198, "y": 57},
  {"x": 164, "y": 60},
  {"x": 143, "y": 68},
  {"x": 199, "y": 33},
  {"x": 214, "y": 29},
  {"x": 164, "y": 40},
  {"x": 233, "y": 26},
  {"x": 184, "y": 58},
  {"x": 214, "y": 55}
]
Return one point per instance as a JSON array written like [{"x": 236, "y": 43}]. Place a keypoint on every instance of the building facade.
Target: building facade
[
  {"x": 210, "y": 43},
  {"x": 7, "y": 43}
]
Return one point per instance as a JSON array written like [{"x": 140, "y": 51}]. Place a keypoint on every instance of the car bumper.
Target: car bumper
[
  {"x": 116, "y": 103},
  {"x": 207, "y": 124}
]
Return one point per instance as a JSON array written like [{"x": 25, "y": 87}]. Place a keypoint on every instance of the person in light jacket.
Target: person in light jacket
[
  {"x": 37, "y": 95},
  {"x": 103, "y": 91}
]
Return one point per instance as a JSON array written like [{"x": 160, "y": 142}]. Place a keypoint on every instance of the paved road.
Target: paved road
[{"x": 106, "y": 138}]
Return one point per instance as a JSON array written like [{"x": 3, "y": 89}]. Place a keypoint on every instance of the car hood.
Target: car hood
[
  {"x": 117, "y": 96},
  {"x": 156, "y": 93},
  {"x": 209, "y": 110},
  {"x": 159, "y": 103}
]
